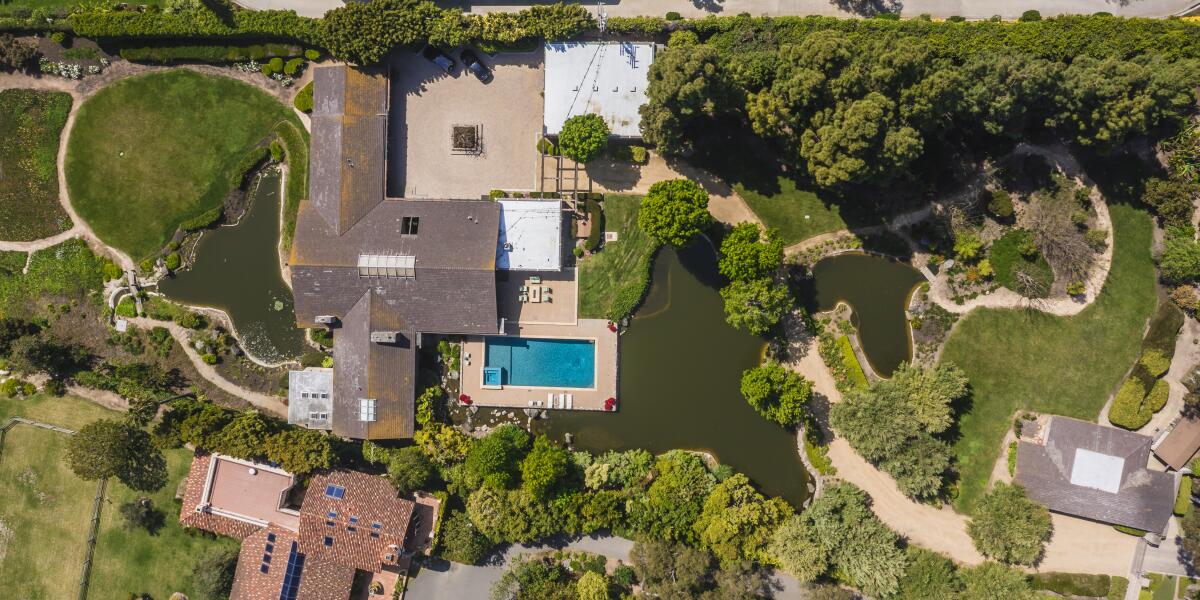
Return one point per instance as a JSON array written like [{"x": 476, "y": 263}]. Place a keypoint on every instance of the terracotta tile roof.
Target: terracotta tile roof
[
  {"x": 342, "y": 530},
  {"x": 192, "y": 498},
  {"x": 266, "y": 550}
]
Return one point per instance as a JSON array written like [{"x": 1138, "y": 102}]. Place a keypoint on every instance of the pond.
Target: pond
[
  {"x": 877, "y": 289},
  {"x": 237, "y": 270},
  {"x": 680, "y": 373}
]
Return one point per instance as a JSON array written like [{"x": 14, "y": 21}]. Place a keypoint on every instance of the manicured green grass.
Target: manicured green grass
[
  {"x": 612, "y": 281},
  {"x": 294, "y": 139},
  {"x": 150, "y": 152},
  {"x": 1183, "y": 500},
  {"x": 798, "y": 214},
  {"x": 47, "y": 548},
  {"x": 854, "y": 368},
  {"x": 30, "y": 125},
  {"x": 1024, "y": 359}
]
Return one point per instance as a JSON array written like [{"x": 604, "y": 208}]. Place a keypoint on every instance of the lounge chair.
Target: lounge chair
[
  {"x": 570, "y": 401},
  {"x": 523, "y": 298},
  {"x": 535, "y": 279},
  {"x": 547, "y": 299},
  {"x": 550, "y": 400},
  {"x": 523, "y": 289},
  {"x": 546, "y": 289}
]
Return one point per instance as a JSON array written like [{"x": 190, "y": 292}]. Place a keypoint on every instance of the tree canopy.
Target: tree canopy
[
  {"x": 777, "y": 393},
  {"x": 110, "y": 448},
  {"x": 545, "y": 464},
  {"x": 756, "y": 305},
  {"x": 858, "y": 545},
  {"x": 674, "y": 500},
  {"x": 583, "y": 137},
  {"x": 1009, "y": 527},
  {"x": 746, "y": 253},
  {"x": 674, "y": 211},
  {"x": 736, "y": 522}
]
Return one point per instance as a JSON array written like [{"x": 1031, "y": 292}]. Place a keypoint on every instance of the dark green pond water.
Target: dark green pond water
[
  {"x": 877, "y": 289},
  {"x": 236, "y": 270},
  {"x": 680, "y": 372}
]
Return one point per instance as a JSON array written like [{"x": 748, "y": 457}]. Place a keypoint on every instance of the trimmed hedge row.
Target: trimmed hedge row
[
  {"x": 209, "y": 53},
  {"x": 1071, "y": 584},
  {"x": 270, "y": 24},
  {"x": 596, "y": 216}
]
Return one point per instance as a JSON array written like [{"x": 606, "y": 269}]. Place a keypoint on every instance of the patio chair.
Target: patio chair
[
  {"x": 547, "y": 299},
  {"x": 535, "y": 279},
  {"x": 546, "y": 289},
  {"x": 570, "y": 401},
  {"x": 523, "y": 289},
  {"x": 523, "y": 298},
  {"x": 550, "y": 400}
]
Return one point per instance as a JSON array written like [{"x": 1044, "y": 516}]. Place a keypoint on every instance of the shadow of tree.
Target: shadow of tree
[
  {"x": 868, "y": 8},
  {"x": 713, "y": 6}
]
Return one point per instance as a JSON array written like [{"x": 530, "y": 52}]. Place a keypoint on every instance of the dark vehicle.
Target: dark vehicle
[
  {"x": 472, "y": 62},
  {"x": 438, "y": 58}
]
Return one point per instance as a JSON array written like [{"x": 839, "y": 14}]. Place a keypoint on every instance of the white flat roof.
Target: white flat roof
[
  {"x": 530, "y": 235},
  {"x": 1097, "y": 471},
  {"x": 605, "y": 78}
]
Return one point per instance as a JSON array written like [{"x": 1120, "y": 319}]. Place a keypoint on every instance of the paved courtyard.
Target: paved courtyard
[
  {"x": 426, "y": 104},
  {"x": 558, "y": 293}
]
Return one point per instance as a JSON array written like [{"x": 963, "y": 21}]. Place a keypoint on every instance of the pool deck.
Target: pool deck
[{"x": 521, "y": 397}]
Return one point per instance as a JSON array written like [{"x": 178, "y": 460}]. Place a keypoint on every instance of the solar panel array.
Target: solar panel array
[{"x": 291, "y": 579}]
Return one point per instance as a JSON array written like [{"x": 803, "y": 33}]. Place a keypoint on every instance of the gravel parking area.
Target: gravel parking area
[{"x": 426, "y": 104}]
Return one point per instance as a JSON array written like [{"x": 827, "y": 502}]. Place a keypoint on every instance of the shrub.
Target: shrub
[
  {"x": 1156, "y": 398},
  {"x": 596, "y": 233},
  {"x": 583, "y": 137},
  {"x": 203, "y": 220},
  {"x": 174, "y": 261},
  {"x": 1012, "y": 458},
  {"x": 674, "y": 16},
  {"x": 1185, "y": 298},
  {"x": 1155, "y": 363},
  {"x": 209, "y": 358},
  {"x": 577, "y": 251},
  {"x": 276, "y": 64},
  {"x": 1001, "y": 205},
  {"x": 191, "y": 320},
  {"x": 1030, "y": 16},
  {"x": 276, "y": 151},
  {"x": 304, "y": 99},
  {"x": 639, "y": 154},
  {"x": 293, "y": 66},
  {"x": 545, "y": 146},
  {"x": 683, "y": 37},
  {"x": 1129, "y": 530},
  {"x": 1076, "y": 288},
  {"x": 312, "y": 55},
  {"x": 1127, "y": 410},
  {"x": 1097, "y": 239}
]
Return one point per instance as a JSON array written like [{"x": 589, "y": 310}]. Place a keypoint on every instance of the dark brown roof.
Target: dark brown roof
[
  {"x": 349, "y": 142},
  {"x": 193, "y": 495},
  {"x": 364, "y": 369},
  {"x": 1144, "y": 500},
  {"x": 1181, "y": 443},
  {"x": 368, "y": 500}
]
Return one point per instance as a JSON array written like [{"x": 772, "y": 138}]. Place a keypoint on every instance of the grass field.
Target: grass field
[
  {"x": 1023, "y": 359},
  {"x": 620, "y": 271},
  {"x": 30, "y": 125},
  {"x": 158, "y": 149},
  {"x": 46, "y": 547},
  {"x": 797, "y": 214}
]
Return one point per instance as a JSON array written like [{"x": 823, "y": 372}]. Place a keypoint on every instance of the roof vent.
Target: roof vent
[
  {"x": 326, "y": 319},
  {"x": 385, "y": 337}
]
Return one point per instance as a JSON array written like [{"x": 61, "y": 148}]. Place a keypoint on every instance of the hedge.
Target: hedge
[
  {"x": 1117, "y": 587},
  {"x": 208, "y": 53},
  {"x": 1128, "y": 410},
  {"x": 1183, "y": 499},
  {"x": 203, "y": 220},
  {"x": 1071, "y": 584},
  {"x": 1129, "y": 530},
  {"x": 631, "y": 295},
  {"x": 268, "y": 24},
  {"x": 854, "y": 370},
  {"x": 1156, "y": 398},
  {"x": 596, "y": 216},
  {"x": 1155, "y": 362}
]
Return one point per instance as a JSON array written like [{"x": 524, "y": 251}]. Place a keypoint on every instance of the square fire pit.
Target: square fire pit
[{"x": 466, "y": 139}]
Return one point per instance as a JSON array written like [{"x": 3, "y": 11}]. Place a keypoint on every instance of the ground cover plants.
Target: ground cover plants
[
  {"x": 160, "y": 149},
  {"x": 30, "y": 124},
  {"x": 1047, "y": 363}
]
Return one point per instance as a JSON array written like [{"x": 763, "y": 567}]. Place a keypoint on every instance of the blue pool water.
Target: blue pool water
[{"x": 543, "y": 363}]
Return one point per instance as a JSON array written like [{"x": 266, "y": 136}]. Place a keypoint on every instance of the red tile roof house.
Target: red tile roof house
[{"x": 349, "y": 524}]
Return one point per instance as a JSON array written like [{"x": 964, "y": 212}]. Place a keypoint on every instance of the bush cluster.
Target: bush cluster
[{"x": 208, "y": 53}]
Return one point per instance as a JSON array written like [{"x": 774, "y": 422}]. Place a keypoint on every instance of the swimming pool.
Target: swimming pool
[{"x": 537, "y": 362}]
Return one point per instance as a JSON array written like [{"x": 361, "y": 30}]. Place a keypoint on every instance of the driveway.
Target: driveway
[{"x": 426, "y": 104}]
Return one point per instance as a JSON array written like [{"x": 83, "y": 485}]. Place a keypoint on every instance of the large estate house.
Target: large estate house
[
  {"x": 383, "y": 272},
  {"x": 305, "y": 543}
]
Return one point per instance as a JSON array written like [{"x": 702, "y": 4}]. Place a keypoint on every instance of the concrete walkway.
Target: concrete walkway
[{"x": 270, "y": 404}]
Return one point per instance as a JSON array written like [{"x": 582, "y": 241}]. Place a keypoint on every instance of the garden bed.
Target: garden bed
[{"x": 30, "y": 125}]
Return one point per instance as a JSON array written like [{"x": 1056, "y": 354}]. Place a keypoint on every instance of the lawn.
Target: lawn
[
  {"x": 50, "y": 530},
  {"x": 1024, "y": 359},
  {"x": 30, "y": 125},
  {"x": 613, "y": 281},
  {"x": 798, "y": 214},
  {"x": 158, "y": 149}
]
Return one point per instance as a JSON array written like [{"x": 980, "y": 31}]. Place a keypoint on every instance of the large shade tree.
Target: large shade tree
[
  {"x": 110, "y": 448},
  {"x": 674, "y": 211},
  {"x": 583, "y": 137},
  {"x": 1009, "y": 527}
]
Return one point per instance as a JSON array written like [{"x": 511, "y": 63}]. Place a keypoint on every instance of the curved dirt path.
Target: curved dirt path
[
  {"x": 1077, "y": 546},
  {"x": 724, "y": 202},
  {"x": 267, "y": 403}
]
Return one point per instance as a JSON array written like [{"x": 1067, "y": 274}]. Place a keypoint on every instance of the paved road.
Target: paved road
[
  {"x": 452, "y": 581},
  {"x": 972, "y": 9}
]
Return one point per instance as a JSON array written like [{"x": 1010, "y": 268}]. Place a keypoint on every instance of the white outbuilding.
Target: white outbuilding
[{"x": 605, "y": 78}]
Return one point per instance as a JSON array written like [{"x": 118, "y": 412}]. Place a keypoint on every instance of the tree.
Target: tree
[
  {"x": 929, "y": 576},
  {"x": 364, "y": 33},
  {"x": 1189, "y": 525},
  {"x": 756, "y": 305},
  {"x": 110, "y": 448},
  {"x": 671, "y": 505},
  {"x": 795, "y": 549},
  {"x": 1172, "y": 200},
  {"x": 736, "y": 522},
  {"x": 461, "y": 541},
  {"x": 1180, "y": 260},
  {"x": 674, "y": 212},
  {"x": 245, "y": 435},
  {"x": 212, "y": 576},
  {"x": 1009, "y": 527},
  {"x": 620, "y": 470},
  {"x": 859, "y": 141},
  {"x": 300, "y": 451},
  {"x": 511, "y": 515},
  {"x": 591, "y": 586},
  {"x": 409, "y": 469},
  {"x": 779, "y": 394},
  {"x": 494, "y": 460},
  {"x": 993, "y": 580},
  {"x": 859, "y": 546},
  {"x": 545, "y": 465},
  {"x": 687, "y": 88},
  {"x": 583, "y": 137},
  {"x": 1003, "y": 91},
  {"x": 15, "y": 55},
  {"x": 13, "y": 329},
  {"x": 746, "y": 254},
  {"x": 670, "y": 570},
  {"x": 36, "y": 354},
  {"x": 533, "y": 579},
  {"x": 930, "y": 393},
  {"x": 443, "y": 444}
]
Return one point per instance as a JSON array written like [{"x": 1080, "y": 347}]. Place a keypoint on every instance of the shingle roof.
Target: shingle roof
[
  {"x": 1144, "y": 500},
  {"x": 1181, "y": 443},
  {"x": 368, "y": 500},
  {"x": 385, "y": 373}
]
